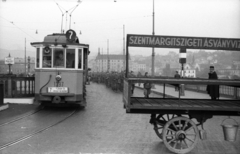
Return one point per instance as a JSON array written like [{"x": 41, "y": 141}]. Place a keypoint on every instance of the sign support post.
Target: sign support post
[
  {"x": 9, "y": 61},
  {"x": 182, "y": 60}
]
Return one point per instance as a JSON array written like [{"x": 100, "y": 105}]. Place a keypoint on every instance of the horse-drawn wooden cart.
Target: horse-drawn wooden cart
[{"x": 176, "y": 120}]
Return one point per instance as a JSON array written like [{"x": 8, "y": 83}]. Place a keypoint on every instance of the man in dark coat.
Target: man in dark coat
[
  {"x": 178, "y": 77},
  {"x": 213, "y": 90}
]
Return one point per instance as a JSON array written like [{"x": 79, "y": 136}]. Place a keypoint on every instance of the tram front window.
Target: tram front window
[
  {"x": 37, "y": 58},
  {"x": 79, "y": 58},
  {"x": 70, "y": 58},
  {"x": 59, "y": 58},
  {"x": 46, "y": 62},
  {"x": 47, "y": 58}
]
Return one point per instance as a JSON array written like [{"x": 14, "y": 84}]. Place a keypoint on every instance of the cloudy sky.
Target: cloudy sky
[{"x": 102, "y": 20}]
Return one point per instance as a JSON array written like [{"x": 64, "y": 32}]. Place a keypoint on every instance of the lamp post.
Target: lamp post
[
  {"x": 123, "y": 47},
  {"x": 25, "y": 60},
  {"x": 9, "y": 65},
  {"x": 153, "y": 52},
  {"x": 108, "y": 60},
  {"x": 29, "y": 59},
  {"x": 182, "y": 61}
]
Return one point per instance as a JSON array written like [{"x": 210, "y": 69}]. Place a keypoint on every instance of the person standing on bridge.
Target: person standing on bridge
[
  {"x": 133, "y": 84},
  {"x": 213, "y": 90},
  {"x": 177, "y": 75},
  {"x": 147, "y": 87}
]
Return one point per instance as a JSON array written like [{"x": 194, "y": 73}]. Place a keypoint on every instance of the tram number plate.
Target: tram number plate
[{"x": 58, "y": 89}]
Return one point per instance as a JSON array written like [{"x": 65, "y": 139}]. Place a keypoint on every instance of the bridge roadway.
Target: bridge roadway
[{"x": 103, "y": 127}]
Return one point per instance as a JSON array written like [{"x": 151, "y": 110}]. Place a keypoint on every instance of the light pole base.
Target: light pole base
[{"x": 182, "y": 90}]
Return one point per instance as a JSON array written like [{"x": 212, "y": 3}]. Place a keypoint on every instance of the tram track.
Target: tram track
[
  {"x": 22, "y": 116},
  {"x": 35, "y": 132}
]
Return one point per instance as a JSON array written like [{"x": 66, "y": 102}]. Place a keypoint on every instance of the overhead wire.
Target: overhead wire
[{"x": 11, "y": 22}]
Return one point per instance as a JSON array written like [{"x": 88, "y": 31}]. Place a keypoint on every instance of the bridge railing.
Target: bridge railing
[
  {"x": 224, "y": 91},
  {"x": 17, "y": 87}
]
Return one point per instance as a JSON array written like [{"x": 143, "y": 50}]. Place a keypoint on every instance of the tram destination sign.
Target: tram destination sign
[{"x": 159, "y": 41}]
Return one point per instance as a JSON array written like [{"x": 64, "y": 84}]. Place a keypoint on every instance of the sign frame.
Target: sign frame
[
  {"x": 163, "y": 41},
  {"x": 9, "y": 60}
]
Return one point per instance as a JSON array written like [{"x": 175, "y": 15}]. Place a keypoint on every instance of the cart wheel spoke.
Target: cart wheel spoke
[
  {"x": 190, "y": 139},
  {"x": 179, "y": 125},
  {"x": 185, "y": 143},
  {"x": 172, "y": 140},
  {"x": 180, "y": 145},
  {"x": 185, "y": 125},
  {"x": 168, "y": 129},
  {"x": 160, "y": 127},
  {"x": 163, "y": 118},
  {"x": 168, "y": 117},
  {"x": 170, "y": 135},
  {"x": 175, "y": 126},
  {"x": 175, "y": 144},
  {"x": 189, "y": 129}
]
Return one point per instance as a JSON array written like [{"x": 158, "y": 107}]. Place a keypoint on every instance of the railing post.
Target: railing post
[
  {"x": 9, "y": 87},
  {"x": 235, "y": 92},
  {"x": 182, "y": 90}
]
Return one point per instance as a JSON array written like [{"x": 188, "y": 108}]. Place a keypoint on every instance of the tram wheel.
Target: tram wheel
[
  {"x": 184, "y": 135},
  {"x": 160, "y": 121}
]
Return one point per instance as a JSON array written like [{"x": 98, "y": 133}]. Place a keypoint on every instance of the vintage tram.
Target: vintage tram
[{"x": 61, "y": 70}]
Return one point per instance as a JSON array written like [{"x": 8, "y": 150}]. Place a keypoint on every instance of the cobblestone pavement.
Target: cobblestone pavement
[{"x": 103, "y": 127}]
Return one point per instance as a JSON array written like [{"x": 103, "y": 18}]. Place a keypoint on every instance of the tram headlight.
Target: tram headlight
[{"x": 58, "y": 78}]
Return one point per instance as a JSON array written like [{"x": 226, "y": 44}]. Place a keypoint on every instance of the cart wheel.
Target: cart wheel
[
  {"x": 160, "y": 121},
  {"x": 184, "y": 135}
]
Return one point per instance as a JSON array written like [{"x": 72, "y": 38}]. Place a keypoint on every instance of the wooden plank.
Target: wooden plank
[{"x": 185, "y": 104}]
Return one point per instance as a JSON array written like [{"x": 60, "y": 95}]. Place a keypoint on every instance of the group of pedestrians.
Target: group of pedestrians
[{"x": 113, "y": 80}]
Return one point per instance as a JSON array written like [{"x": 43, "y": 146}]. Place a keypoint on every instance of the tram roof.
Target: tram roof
[{"x": 58, "y": 39}]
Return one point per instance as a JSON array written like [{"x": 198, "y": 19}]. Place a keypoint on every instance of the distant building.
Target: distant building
[
  {"x": 115, "y": 63},
  {"x": 230, "y": 72},
  {"x": 136, "y": 67},
  {"x": 18, "y": 67},
  {"x": 190, "y": 70}
]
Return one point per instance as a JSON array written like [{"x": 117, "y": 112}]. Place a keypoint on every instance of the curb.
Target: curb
[
  {"x": 3, "y": 107},
  {"x": 19, "y": 100}
]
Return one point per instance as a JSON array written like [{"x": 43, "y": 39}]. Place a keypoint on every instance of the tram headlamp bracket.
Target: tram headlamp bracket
[{"x": 58, "y": 78}]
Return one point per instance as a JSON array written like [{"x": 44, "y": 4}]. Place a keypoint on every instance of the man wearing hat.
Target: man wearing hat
[{"x": 213, "y": 90}]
